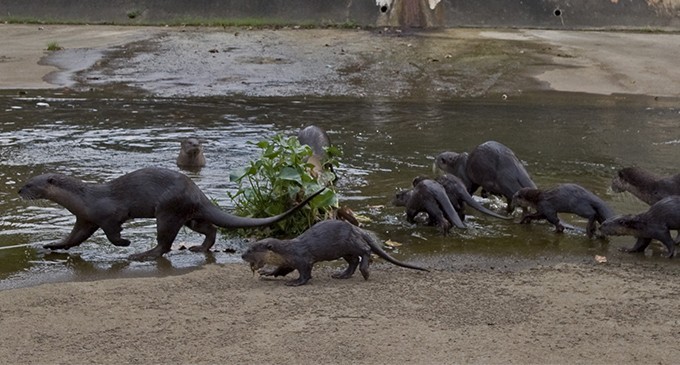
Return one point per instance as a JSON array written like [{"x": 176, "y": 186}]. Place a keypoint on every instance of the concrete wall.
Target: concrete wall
[{"x": 558, "y": 14}]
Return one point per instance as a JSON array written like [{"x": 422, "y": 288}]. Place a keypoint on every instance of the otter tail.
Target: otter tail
[
  {"x": 475, "y": 204},
  {"x": 219, "y": 218},
  {"x": 380, "y": 252},
  {"x": 449, "y": 211}
]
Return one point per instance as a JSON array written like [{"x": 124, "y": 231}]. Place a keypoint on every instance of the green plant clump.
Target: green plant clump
[
  {"x": 54, "y": 46},
  {"x": 278, "y": 180}
]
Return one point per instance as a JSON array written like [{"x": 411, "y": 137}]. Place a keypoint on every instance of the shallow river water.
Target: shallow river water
[{"x": 561, "y": 137}]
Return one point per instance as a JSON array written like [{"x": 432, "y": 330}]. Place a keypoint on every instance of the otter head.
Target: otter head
[
  {"x": 620, "y": 181},
  {"x": 622, "y": 225},
  {"x": 402, "y": 197},
  {"x": 526, "y": 198},
  {"x": 191, "y": 153},
  {"x": 44, "y": 186},
  {"x": 262, "y": 253},
  {"x": 451, "y": 162}
]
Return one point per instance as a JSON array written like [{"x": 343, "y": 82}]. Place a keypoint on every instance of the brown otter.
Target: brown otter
[
  {"x": 169, "y": 196},
  {"x": 191, "y": 154},
  {"x": 325, "y": 241},
  {"x": 644, "y": 185},
  {"x": 563, "y": 198},
  {"x": 430, "y": 197},
  {"x": 491, "y": 165},
  {"x": 656, "y": 223}
]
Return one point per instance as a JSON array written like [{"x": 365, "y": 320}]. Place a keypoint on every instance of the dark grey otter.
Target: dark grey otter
[
  {"x": 169, "y": 196},
  {"x": 563, "y": 198},
  {"x": 191, "y": 154},
  {"x": 325, "y": 241},
  {"x": 459, "y": 196},
  {"x": 644, "y": 185},
  {"x": 430, "y": 197},
  {"x": 491, "y": 166},
  {"x": 656, "y": 223}
]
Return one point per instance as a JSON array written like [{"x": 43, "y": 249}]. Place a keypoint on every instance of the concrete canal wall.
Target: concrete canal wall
[{"x": 556, "y": 14}]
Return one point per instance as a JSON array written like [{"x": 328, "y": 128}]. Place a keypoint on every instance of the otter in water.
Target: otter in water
[
  {"x": 644, "y": 185},
  {"x": 169, "y": 196},
  {"x": 325, "y": 241},
  {"x": 563, "y": 198},
  {"x": 459, "y": 196},
  {"x": 430, "y": 197},
  {"x": 656, "y": 223},
  {"x": 191, "y": 154},
  {"x": 491, "y": 165}
]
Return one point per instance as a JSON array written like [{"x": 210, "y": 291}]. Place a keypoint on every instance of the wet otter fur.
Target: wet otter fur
[
  {"x": 491, "y": 166},
  {"x": 430, "y": 197},
  {"x": 325, "y": 241},
  {"x": 645, "y": 185},
  {"x": 563, "y": 198},
  {"x": 459, "y": 196},
  {"x": 191, "y": 154},
  {"x": 169, "y": 196},
  {"x": 656, "y": 223}
]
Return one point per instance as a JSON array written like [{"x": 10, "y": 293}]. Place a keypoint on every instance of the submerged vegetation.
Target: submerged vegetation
[{"x": 278, "y": 180}]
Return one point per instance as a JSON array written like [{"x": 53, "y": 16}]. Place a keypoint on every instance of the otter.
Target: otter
[
  {"x": 563, "y": 198},
  {"x": 169, "y": 196},
  {"x": 491, "y": 166},
  {"x": 459, "y": 196},
  {"x": 644, "y": 185},
  {"x": 656, "y": 223},
  {"x": 317, "y": 139},
  {"x": 430, "y": 197},
  {"x": 324, "y": 241},
  {"x": 191, "y": 154}
]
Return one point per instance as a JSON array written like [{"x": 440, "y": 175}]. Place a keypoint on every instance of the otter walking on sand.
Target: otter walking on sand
[
  {"x": 325, "y": 241},
  {"x": 169, "y": 196}
]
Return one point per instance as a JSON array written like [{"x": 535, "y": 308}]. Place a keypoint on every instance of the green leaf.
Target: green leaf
[{"x": 290, "y": 174}]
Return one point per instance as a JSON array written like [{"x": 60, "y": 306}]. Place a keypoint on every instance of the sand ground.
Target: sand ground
[{"x": 588, "y": 313}]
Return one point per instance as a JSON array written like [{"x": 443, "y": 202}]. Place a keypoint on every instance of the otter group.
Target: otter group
[
  {"x": 495, "y": 168},
  {"x": 175, "y": 201}
]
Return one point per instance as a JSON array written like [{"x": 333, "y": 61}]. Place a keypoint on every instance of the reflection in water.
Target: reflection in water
[{"x": 561, "y": 138}]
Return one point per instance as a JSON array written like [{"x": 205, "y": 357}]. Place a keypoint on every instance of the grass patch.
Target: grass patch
[{"x": 54, "y": 46}]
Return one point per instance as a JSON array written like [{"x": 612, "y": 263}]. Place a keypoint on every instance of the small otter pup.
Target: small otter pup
[
  {"x": 430, "y": 197},
  {"x": 656, "y": 223},
  {"x": 325, "y": 241},
  {"x": 191, "y": 154},
  {"x": 644, "y": 185},
  {"x": 563, "y": 198},
  {"x": 169, "y": 196}
]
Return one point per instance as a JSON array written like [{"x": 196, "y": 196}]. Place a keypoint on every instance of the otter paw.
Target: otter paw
[
  {"x": 198, "y": 248},
  {"x": 56, "y": 246},
  {"x": 121, "y": 243}
]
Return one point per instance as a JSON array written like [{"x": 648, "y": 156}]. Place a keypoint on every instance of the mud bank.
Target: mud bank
[{"x": 379, "y": 63}]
